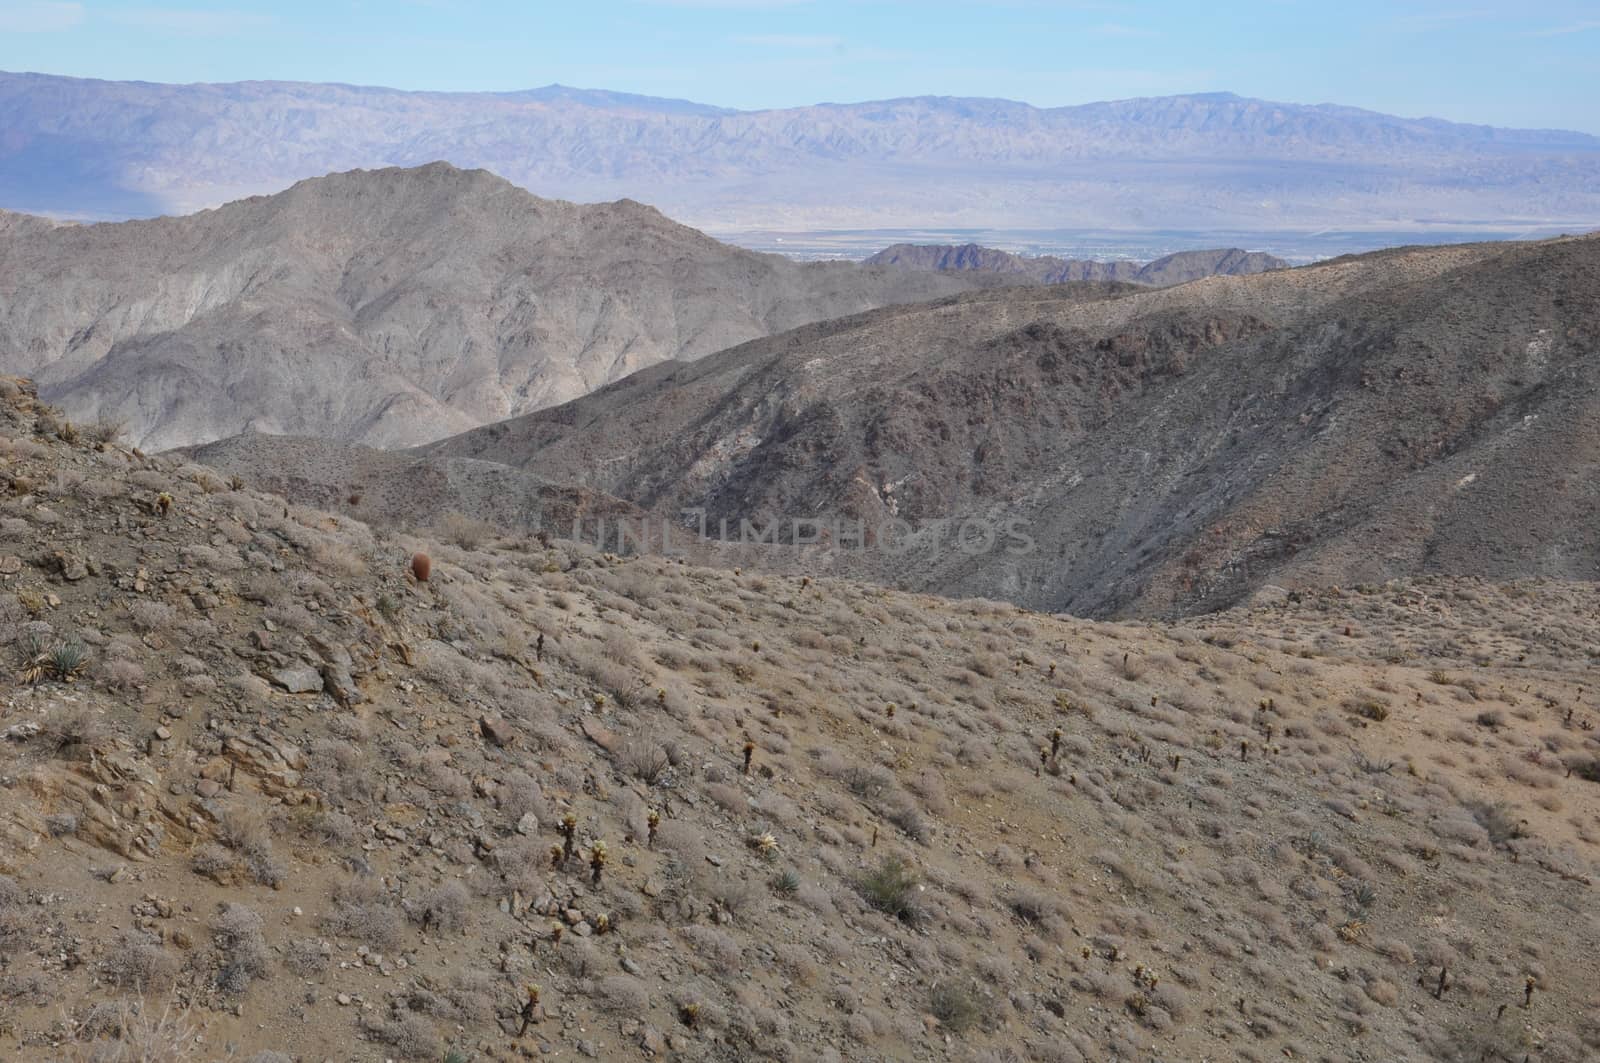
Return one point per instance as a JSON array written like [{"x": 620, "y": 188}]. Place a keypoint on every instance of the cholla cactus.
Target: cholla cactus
[
  {"x": 597, "y": 861},
  {"x": 530, "y": 1009},
  {"x": 749, "y": 754},
  {"x": 1055, "y": 743},
  {"x": 164, "y": 503},
  {"x": 653, "y": 824},
  {"x": 888, "y": 710},
  {"x": 557, "y": 856},
  {"x": 569, "y": 834}
]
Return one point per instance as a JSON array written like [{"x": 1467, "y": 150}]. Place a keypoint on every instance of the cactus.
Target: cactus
[
  {"x": 597, "y": 861},
  {"x": 569, "y": 834},
  {"x": 421, "y": 566},
  {"x": 164, "y": 503},
  {"x": 749, "y": 753},
  {"x": 530, "y": 1009},
  {"x": 653, "y": 823}
]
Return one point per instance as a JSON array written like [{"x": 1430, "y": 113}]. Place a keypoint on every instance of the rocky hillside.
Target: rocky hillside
[
  {"x": 389, "y": 307},
  {"x": 269, "y": 796},
  {"x": 1205, "y": 161},
  {"x": 1421, "y": 410},
  {"x": 1178, "y": 268}
]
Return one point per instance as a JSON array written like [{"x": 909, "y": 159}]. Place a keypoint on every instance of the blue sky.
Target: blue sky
[{"x": 1524, "y": 64}]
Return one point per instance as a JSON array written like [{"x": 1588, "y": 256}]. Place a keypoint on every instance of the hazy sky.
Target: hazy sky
[{"x": 1526, "y": 63}]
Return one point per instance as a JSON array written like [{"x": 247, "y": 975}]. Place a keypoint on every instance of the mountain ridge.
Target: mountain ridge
[
  {"x": 118, "y": 149},
  {"x": 1176, "y": 268},
  {"x": 1174, "y": 450},
  {"x": 388, "y": 306}
]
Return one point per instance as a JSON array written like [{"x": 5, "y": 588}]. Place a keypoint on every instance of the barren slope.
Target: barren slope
[
  {"x": 1420, "y": 410},
  {"x": 256, "y": 775}
]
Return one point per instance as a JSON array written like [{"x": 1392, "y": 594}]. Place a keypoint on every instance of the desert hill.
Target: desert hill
[
  {"x": 1177, "y": 268},
  {"x": 262, "y": 785},
  {"x": 388, "y": 307},
  {"x": 1412, "y": 411}
]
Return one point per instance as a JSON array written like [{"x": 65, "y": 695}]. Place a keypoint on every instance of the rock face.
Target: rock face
[
  {"x": 1213, "y": 160},
  {"x": 1178, "y": 268},
  {"x": 389, "y": 307}
]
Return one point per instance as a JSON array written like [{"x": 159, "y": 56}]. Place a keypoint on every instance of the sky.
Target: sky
[{"x": 1529, "y": 64}]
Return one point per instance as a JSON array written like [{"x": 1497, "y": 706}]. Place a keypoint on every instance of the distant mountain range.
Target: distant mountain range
[
  {"x": 88, "y": 148},
  {"x": 1178, "y": 268}
]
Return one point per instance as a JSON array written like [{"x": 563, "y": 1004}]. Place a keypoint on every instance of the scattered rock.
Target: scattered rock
[
  {"x": 497, "y": 731},
  {"x": 298, "y": 680}
]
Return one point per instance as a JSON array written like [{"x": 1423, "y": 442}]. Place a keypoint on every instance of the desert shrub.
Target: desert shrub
[
  {"x": 646, "y": 760},
  {"x": 959, "y": 1006},
  {"x": 305, "y": 956},
  {"x": 143, "y": 1034},
  {"x": 624, "y": 994},
  {"x": 241, "y": 947},
  {"x": 140, "y": 964},
  {"x": 891, "y": 888},
  {"x": 151, "y": 616},
  {"x": 442, "y": 908},
  {"x": 466, "y": 532},
  {"x": 362, "y": 911},
  {"x": 16, "y": 925},
  {"x": 713, "y": 944},
  {"x": 410, "y": 1035},
  {"x": 245, "y": 831},
  {"x": 71, "y": 731}
]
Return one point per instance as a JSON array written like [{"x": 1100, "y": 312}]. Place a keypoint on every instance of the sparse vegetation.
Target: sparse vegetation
[{"x": 212, "y": 824}]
